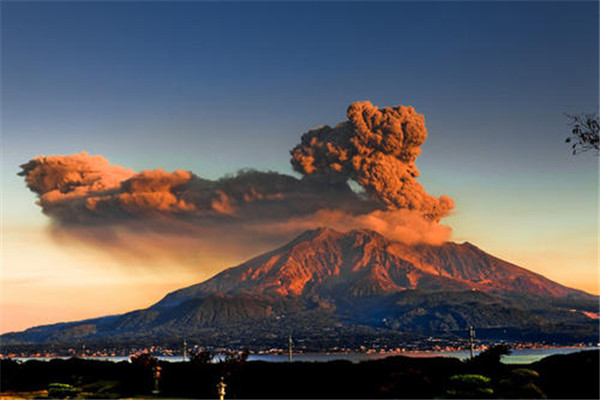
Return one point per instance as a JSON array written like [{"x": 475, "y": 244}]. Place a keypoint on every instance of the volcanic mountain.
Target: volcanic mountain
[
  {"x": 349, "y": 284},
  {"x": 360, "y": 263}
]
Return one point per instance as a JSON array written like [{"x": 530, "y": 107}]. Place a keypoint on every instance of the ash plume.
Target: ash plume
[
  {"x": 158, "y": 214},
  {"x": 83, "y": 189},
  {"x": 377, "y": 148}
]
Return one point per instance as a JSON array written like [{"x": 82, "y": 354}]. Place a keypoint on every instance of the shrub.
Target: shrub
[
  {"x": 62, "y": 391},
  {"x": 469, "y": 386},
  {"x": 521, "y": 383}
]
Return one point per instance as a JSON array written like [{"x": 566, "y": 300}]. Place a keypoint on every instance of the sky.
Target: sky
[{"x": 216, "y": 87}]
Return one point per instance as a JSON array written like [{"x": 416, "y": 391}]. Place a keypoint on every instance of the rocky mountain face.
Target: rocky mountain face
[
  {"x": 327, "y": 264},
  {"x": 354, "y": 283}
]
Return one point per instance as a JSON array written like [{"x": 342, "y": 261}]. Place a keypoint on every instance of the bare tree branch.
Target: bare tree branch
[{"x": 584, "y": 130}]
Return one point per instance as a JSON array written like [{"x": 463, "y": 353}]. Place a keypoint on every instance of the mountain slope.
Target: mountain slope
[
  {"x": 350, "y": 285},
  {"x": 331, "y": 264}
]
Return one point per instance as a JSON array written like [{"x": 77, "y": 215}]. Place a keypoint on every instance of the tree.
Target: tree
[
  {"x": 147, "y": 371},
  {"x": 491, "y": 356},
  {"x": 235, "y": 359},
  {"x": 232, "y": 364},
  {"x": 584, "y": 130},
  {"x": 489, "y": 361},
  {"x": 201, "y": 357},
  {"x": 145, "y": 360}
]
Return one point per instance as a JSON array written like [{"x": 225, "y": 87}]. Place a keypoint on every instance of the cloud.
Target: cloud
[
  {"x": 402, "y": 225},
  {"x": 158, "y": 214},
  {"x": 73, "y": 190},
  {"x": 377, "y": 148},
  {"x": 64, "y": 182}
]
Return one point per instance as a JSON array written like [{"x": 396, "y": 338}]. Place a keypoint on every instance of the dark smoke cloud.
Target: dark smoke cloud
[
  {"x": 377, "y": 148},
  {"x": 84, "y": 189},
  {"x": 179, "y": 214}
]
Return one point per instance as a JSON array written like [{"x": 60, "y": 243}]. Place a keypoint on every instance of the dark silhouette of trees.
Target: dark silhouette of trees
[
  {"x": 146, "y": 369},
  {"x": 146, "y": 360},
  {"x": 201, "y": 357},
  {"x": 563, "y": 376},
  {"x": 584, "y": 132},
  {"x": 237, "y": 357},
  {"x": 489, "y": 361},
  {"x": 492, "y": 355},
  {"x": 232, "y": 368}
]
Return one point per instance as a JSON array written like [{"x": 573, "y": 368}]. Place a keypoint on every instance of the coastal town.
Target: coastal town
[{"x": 433, "y": 346}]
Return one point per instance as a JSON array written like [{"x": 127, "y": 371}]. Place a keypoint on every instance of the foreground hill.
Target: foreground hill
[{"x": 340, "y": 286}]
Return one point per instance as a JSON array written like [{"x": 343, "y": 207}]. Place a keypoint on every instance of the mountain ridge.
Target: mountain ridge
[
  {"x": 356, "y": 284},
  {"x": 321, "y": 255}
]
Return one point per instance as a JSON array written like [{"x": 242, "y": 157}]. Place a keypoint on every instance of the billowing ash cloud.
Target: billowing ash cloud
[
  {"x": 377, "y": 148},
  {"x": 179, "y": 214},
  {"x": 84, "y": 189},
  {"x": 63, "y": 183}
]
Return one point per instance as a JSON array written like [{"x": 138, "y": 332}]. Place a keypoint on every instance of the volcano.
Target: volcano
[
  {"x": 345, "y": 285},
  {"x": 361, "y": 263}
]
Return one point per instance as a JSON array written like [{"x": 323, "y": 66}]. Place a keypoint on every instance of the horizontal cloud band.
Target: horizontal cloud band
[
  {"x": 86, "y": 189},
  {"x": 94, "y": 201}
]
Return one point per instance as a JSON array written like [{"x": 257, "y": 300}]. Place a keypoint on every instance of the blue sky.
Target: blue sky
[{"x": 214, "y": 87}]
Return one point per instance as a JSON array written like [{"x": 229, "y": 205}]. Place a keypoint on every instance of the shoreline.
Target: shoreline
[{"x": 537, "y": 352}]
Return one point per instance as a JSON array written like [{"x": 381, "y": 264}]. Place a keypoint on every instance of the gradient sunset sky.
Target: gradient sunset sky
[{"x": 214, "y": 87}]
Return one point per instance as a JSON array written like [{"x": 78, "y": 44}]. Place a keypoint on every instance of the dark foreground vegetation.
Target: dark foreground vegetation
[{"x": 570, "y": 376}]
